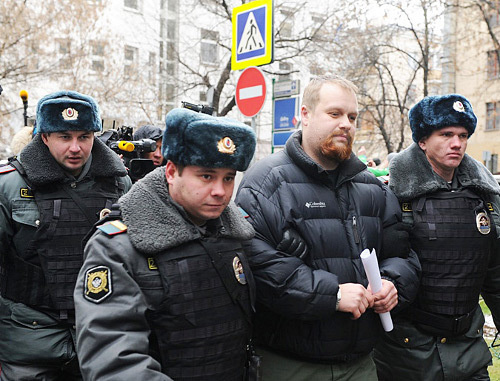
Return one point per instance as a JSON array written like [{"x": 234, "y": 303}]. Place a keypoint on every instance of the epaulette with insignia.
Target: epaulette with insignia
[
  {"x": 6, "y": 169},
  {"x": 113, "y": 227}
]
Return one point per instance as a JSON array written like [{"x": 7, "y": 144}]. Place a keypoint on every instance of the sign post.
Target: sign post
[{"x": 251, "y": 91}]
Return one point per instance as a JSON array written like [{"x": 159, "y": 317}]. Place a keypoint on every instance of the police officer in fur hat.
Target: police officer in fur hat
[
  {"x": 452, "y": 204},
  {"x": 50, "y": 197},
  {"x": 165, "y": 290}
]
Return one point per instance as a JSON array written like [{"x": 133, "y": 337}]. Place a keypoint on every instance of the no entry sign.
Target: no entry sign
[{"x": 251, "y": 91}]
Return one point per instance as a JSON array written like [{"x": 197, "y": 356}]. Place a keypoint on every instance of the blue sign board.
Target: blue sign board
[
  {"x": 280, "y": 138},
  {"x": 284, "y": 113},
  {"x": 253, "y": 36}
]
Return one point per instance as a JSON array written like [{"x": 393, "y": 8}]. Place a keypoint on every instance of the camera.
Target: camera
[{"x": 121, "y": 141}]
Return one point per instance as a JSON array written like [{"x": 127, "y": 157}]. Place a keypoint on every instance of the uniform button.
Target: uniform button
[
  {"x": 478, "y": 331},
  {"x": 74, "y": 327},
  {"x": 73, "y": 185},
  {"x": 37, "y": 222},
  {"x": 35, "y": 323},
  {"x": 443, "y": 340},
  {"x": 406, "y": 340}
]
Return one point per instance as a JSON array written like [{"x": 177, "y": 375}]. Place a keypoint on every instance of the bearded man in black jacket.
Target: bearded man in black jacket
[{"x": 316, "y": 318}]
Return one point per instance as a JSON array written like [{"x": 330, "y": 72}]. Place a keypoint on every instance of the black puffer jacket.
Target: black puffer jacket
[{"x": 296, "y": 310}]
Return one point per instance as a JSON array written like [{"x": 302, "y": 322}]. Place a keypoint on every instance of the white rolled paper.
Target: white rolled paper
[{"x": 372, "y": 271}]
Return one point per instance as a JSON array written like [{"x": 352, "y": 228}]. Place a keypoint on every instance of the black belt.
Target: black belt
[{"x": 441, "y": 325}]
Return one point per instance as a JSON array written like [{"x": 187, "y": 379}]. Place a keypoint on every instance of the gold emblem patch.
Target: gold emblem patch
[
  {"x": 406, "y": 207},
  {"x": 97, "y": 284},
  {"x": 238, "y": 271},
  {"x": 490, "y": 206},
  {"x": 70, "y": 114},
  {"x": 226, "y": 145},
  {"x": 152, "y": 264},
  {"x": 458, "y": 106},
  {"x": 26, "y": 193}
]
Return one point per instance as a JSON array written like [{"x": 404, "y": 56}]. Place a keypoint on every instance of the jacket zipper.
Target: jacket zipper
[{"x": 355, "y": 229}]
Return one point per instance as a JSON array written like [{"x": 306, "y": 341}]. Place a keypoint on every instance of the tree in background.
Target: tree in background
[{"x": 304, "y": 41}]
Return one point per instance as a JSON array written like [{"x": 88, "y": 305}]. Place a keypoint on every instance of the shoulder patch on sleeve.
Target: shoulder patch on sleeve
[
  {"x": 113, "y": 227},
  {"x": 6, "y": 169},
  {"x": 97, "y": 284},
  {"x": 243, "y": 213}
]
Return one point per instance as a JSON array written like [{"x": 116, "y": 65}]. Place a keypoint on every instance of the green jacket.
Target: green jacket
[
  {"x": 28, "y": 335},
  {"x": 407, "y": 352}
]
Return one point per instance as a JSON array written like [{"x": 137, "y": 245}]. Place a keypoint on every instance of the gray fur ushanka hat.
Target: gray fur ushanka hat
[
  {"x": 193, "y": 138},
  {"x": 67, "y": 111},
  {"x": 435, "y": 112}
]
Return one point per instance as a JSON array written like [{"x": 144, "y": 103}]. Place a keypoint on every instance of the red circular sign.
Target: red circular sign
[{"x": 251, "y": 91}]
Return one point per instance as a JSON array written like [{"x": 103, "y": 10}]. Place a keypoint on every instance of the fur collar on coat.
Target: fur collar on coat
[
  {"x": 42, "y": 169},
  {"x": 155, "y": 224},
  {"x": 411, "y": 175}
]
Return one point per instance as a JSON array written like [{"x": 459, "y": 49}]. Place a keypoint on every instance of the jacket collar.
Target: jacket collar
[
  {"x": 346, "y": 169},
  {"x": 156, "y": 224},
  {"x": 42, "y": 169},
  {"x": 411, "y": 175}
]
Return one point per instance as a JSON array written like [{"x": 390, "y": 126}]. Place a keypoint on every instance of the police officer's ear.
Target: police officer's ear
[
  {"x": 396, "y": 241},
  {"x": 171, "y": 171}
]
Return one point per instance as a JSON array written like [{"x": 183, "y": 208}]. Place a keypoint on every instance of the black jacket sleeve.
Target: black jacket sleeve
[{"x": 285, "y": 284}]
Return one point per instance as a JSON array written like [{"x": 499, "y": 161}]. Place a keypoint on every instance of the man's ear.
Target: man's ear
[
  {"x": 304, "y": 115},
  {"x": 44, "y": 137},
  {"x": 170, "y": 171},
  {"x": 421, "y": 144}
]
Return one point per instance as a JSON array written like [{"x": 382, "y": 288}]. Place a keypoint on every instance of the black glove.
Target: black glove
[
  {"x": 396, "y": 241},
  {"x": 293, "y": 244}
]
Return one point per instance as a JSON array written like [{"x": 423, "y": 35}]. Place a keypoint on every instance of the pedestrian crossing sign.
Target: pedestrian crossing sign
[{"x": 253, "y": 36}]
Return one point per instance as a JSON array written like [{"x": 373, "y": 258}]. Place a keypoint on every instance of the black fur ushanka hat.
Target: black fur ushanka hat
[
  {"x": 435, "y": 112},
  {"x": 193, "y": 138}
]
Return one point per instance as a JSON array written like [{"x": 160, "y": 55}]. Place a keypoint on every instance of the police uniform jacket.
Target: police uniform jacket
[
  {"x": 418, "y": 352},
  {"x": 113, "y": 330},
  {"x": 19, "y": 221},
  {"x": 338, "y": 219}
]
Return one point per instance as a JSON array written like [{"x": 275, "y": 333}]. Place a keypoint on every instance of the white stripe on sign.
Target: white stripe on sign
[{"x": 251, "y": 92}]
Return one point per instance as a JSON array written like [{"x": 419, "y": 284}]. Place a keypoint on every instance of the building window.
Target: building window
[
  {"x": 64, "y": 46},
  {"x": 493, "y": 167},
  {"x": 316, "y": 70},
  {"x": 170, "y": 90},
  {"x": 286, "y": 26},
  {"x": 171, "y": 50},
  {"x": 131, "y": 55},
  {"x": 171, "y": 68},
  {"x": 285, "y": 69},
  {"x": 172, "y": 5},
  {"x": 209, "y": 46},
  {"x": 132, "y": 4},
  {"x": 494, "y": 14},
  {"x": 97, "y": 56},
  {"x": 492, "y": 70},
  {"x": 152, "y": 68},
  {"x": 171, "y": 29},
  {"x": 492, "y": 116}
]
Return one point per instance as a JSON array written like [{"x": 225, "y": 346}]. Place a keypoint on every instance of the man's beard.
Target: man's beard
[{"x": 336, "y": 151}]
